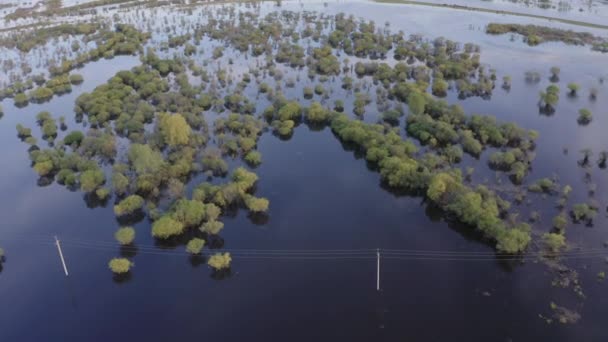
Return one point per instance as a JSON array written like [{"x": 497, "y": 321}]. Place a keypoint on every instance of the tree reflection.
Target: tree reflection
[
  {"x": 221, "y": 274},
  {"x": 122, "y": 278}
]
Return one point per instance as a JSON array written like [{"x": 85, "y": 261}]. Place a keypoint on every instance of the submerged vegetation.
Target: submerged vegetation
[
  {"x": 175, "y": 138},
  {"x": 534, "y": 35}
]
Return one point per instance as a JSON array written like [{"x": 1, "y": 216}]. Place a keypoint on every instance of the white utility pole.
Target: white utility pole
[{"x": 65, "y": 268}]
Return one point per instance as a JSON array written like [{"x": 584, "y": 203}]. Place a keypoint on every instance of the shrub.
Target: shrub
[
  {"x": 584, "y": 116},
  {"x": 253, "y": 158},
  {"x": 560, "y": 222},
  {"x": 74, "y": 137},
  {"x": 195, "y": 246},
  {"x": 166, "y": 227},
  {"x": 554, "y": 242},
  {"x": 129, "y": 205},
  {"x": 120, "y": 265},
  {"x": 76, "y": 79},
  {"x": 212, "y": 227},
  {"x": 220, "y": 261},
  {"x": 125, "y": 235},
  {"x": 90, "y": 180}
]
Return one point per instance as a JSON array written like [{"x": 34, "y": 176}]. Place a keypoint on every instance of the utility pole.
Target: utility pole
[
  {"x": 65, "y": 268},
  {"x": 378, "y": 269}
]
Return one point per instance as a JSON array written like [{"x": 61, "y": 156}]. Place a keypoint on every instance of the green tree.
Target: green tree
[
  {"x": 253, "y": 158},
  {"x": 174, "y": 129},
  {"x": 166, "y": 227},
  {"x": 256, "y": 204},
  {"x": 195, "y": 246},
  {"x": 212, "y": 227},
  {"x": 316, "y": 113},
  {"x": 560, "y": 222},
  {"x": 125, "y": 235},
  {"x": 120, "y": 265},
  {"x": 416, "y": 102},
  {"x": 73, "y": 138},
  {"x": 574, "y": 88},
  {"x": 513, "y": 241},
  {"x": 189, "y": 212},
  {"x": 244, "y": 179},
  {"x": 90, "y": 180},
  {"x": 129, "y": 205},
  {"x": 220, "y": 261},
  {"x": 584, "y": 116},
  {"x": 554, "y": 242}
]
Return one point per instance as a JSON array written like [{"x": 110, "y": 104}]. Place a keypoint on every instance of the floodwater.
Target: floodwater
[{"x": 322, "y": 197}]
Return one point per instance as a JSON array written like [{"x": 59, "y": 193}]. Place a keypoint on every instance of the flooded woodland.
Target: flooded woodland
[{"x": 303, "y": 170}]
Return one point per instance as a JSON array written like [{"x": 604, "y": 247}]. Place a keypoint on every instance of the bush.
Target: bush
[
  {"x": 560, "y": 222},
  {"x": 128, "y": 205},
  {"x": 212, "y": 227},
  {"x": 220, "y": 261},
  {"x": 583, "y": 212},
  {"x": 189, "y": 212},
  {"x": 74, "y": 137},
  {"x": 76, "y": 79},
  {"x": 554, "y": 242},
  {"x": 90, "y": 180},
  {"x": 256, "y": 204},
  {"x": 125, "y": 235},
  {"x": 20, "y": 100},
  {"x": 195, "y": 246},
  {"x": 316, "y": 113},
  {"x": 253, "y": 158},
  {"x": 120, "y": 265},
  {"x": 166, "y": 227},
  {"x": 584, "y": 116}
]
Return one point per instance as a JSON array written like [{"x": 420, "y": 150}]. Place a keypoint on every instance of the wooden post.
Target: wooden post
[
  {"x": 378, "y": 270},
  {"x": 65, "y": 268}
]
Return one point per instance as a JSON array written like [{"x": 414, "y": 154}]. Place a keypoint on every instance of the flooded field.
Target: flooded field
[{"x": 262, "y": 160}]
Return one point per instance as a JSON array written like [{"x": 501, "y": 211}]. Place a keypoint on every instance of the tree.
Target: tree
[
  {"x": 120, "y": 265},
  {"x": 256, "y": 204},
  {"x": 513, "y": 241},
  {"x": 125, "y": 235},
  {"x": 316, "y": 113},
  {"x": 145, "y": 160},
  {"x": 21, "y": 100},
  {"x": 560, "y": 222},
  {"x": 195, "y": 246},
  {"x": 76, "y": 79},
  {"x": 555, "y": 74},
  {"x": 584, "y": 116},
  {"x": 253, "y": 158},
  {"x": 129, "y": 205},
  {"x": 166, "y": 227},
  {"x": 574, "y": 88},
  {"x": 73, "y": 138},
  {"x": 212, "y": 227},
  {"x": 220, "y": 261},
  {"x": 189, "y": 212},
  {"x": 440, "y": 87},
  {"x": 551, "y": 96},
  {"x": 583, "y": 212},
  {"x": 174, "y": 129},
  {"x": 416, "y": 102},
  {"x": 90, "y": 180},
  {"x": 554, "y": 242},
  {"x": 244, "y": 179}
]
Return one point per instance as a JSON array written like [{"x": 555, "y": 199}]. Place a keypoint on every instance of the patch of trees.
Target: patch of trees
[{"x": 538, "y": 34}]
